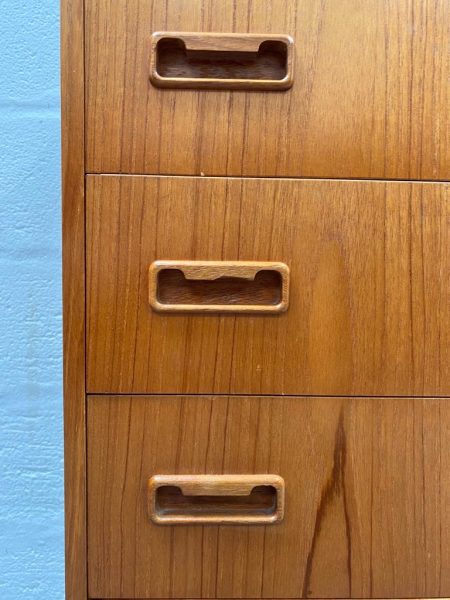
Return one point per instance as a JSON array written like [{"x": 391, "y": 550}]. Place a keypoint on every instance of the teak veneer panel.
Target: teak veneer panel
[
  {"x": 369, "y": 310},
  {"x": 371, "y": 94},
  {"x": 367, "y": 497}
]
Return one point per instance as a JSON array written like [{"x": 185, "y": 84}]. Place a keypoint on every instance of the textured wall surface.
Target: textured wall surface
[{"x": 31, "y": 444}]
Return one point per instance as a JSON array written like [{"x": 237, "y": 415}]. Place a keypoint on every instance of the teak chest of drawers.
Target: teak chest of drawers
[{"x": 256, "y": 228}]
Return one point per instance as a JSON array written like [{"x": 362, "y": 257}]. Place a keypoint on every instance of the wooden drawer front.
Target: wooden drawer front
[
  {"x": 367, "y": 484},
  {"x": 369, "y": 300},
  {"x": 370, "y": 96}
]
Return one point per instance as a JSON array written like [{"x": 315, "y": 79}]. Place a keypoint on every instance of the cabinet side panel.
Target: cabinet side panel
[{"x": 72, "y": 108}]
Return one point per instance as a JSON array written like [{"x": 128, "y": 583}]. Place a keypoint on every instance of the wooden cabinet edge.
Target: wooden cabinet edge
[{"x": 73, "y": 173}]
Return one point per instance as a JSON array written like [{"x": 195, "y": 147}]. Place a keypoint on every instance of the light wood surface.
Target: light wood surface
[
  {"x": 231, "y": 295},
  {"x": 225, "y": 499},
  {"x": 221, "y": 61},
  {"x": 369, "y": 310},
  {"x": 371, "y": 97},
  {"x": 367, "y": 497},
  {"x": 72, "y": 113}
]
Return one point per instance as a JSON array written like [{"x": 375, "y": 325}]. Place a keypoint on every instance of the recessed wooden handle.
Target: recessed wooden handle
[
  {"x": 222, "y": 61},
  {"x": 218, "y": 286},
  {"x": 230, "y": 499}
]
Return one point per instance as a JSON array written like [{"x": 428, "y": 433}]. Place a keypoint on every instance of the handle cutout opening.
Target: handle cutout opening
[
  {"x": 221, "y": 61},
  {"x": 195, "y": 286},
  {"x": 170, "y": 501},
  {"x": 174, "y": 288},
  {"x": 227, "y": 499},
  {"x": 174, "y": 60}
]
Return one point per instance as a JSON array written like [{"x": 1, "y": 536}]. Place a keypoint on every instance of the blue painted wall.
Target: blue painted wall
[{"x": 31, "y": 441}]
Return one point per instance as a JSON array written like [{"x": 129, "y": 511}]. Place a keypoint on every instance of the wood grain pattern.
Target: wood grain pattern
[
  {"x": 369, "y": 310},
  {"x": 371, "y": 97},
  {"x": 367, "y": 497},
  {"x": 249, "y": 499},
  {"x": 72, "y": 112},
  {"x": 218, "y": 61},
  {"x": 219, "y": 286}
]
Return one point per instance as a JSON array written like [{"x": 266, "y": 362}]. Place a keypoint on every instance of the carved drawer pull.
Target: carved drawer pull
[
  {"x": 228, "y": 499},
  {"x": 215, "y": 286},
  {"x": 222, "y": 61}
]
